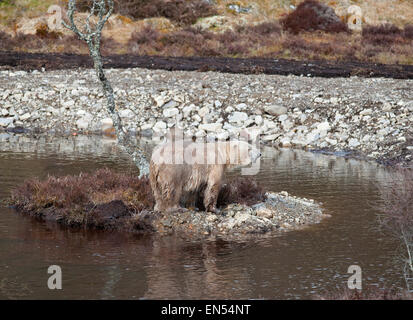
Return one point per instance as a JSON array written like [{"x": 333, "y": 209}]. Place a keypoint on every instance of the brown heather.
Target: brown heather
[
  {"x": 312, "y": 15},
  {"x": 181, "y": 12}
]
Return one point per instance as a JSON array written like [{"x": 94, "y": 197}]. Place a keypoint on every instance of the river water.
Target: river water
[{"x": 294, "y": 265}]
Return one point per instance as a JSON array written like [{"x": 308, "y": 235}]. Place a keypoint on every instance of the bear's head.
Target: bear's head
[{"x": 241, "y": 153}]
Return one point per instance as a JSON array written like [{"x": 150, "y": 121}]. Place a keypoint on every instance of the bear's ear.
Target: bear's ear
[
  {"x": 175, "y": 134},
  {"x": 250, "y": 134},
  {"x": 228, "y": 152},
  {"x": 244, "y": 134}
]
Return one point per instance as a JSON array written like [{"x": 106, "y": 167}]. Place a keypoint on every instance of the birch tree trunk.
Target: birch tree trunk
[{"x": 92, "y": 35}]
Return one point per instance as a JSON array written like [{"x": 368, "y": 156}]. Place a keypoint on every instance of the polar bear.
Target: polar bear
[{"x": 183, "y": 168}]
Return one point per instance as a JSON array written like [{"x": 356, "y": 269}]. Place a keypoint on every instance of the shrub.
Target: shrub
[
  {"x": 241, "y": 190},
  {"x": 195, "y": 41},
  {"x": 382, "y": 35},
  {"x": 396, "y": 217},
  {"x": 267, "y": 28},
  {"x": 6, "y": 41},
  {"x": 146, "y": 35},
  {"x": 43, "y": 31},
  {"x": 387, "y": 29},
  {"x": 181, "y": 12},
  {"x": 73, "y": 191},
  {"x": 408, "y": 31},
  {"x": 312, "y": 15}
]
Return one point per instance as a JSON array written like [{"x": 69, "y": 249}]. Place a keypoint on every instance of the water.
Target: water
[{"x": 295, "y": 265}]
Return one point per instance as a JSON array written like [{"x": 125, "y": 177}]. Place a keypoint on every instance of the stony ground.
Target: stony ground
[
  {"x": 369, "y": 117},
  {"x": 279, "y": 212}
]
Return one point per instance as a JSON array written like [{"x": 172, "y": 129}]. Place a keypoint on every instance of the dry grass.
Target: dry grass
[
  {"x": 265, "y": 40},
  {"x": 192, "y": 41},
  {"x": 181, "y": 12},
  {"x": 306, "y": 36},
  {"x": 398, "y": 12},
  {"x": 13, "y": 10},
  {"x": 69, "y": 193}
]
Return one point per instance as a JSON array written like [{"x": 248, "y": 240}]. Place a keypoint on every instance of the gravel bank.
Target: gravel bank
[
  {"x": 280, "y": 212},
  {"x": 370, "y": 118}
]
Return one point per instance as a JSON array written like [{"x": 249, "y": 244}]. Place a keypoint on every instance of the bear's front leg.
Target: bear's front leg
[{"x": 211, "y": 197}]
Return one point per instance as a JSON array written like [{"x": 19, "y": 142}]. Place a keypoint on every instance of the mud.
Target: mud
[{"x": 327, "y": 69}]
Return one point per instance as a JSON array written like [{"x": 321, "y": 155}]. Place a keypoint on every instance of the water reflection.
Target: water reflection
[{"x": 298, "y": 264}]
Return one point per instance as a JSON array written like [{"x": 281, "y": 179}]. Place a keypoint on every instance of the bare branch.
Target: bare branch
[
  {"x": 92, "y": 12},
  {"x": 72, "y": 26}
]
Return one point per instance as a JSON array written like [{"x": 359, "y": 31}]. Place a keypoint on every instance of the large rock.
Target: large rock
[
  {"x": 275, "y": 110},
  {"x": 238, "y": 117},
  {"x": 203, "y": 111},
  {"x": 82, "y": 124},
  {"x": 353, "y": 143},
  {"x": 25, "y": 116},
  {"x": 170, "y": 112},
  {"x": 214, "y": 22},
  {"x": 210, "y": 127},
  {"x": 170, "y": 104},
  {"x": 126, "y": 113},
  {"x": 323, "y": 126},
  {"x": 159, "y": 126},
  {"x": 106, "y": 124},
  {"x": 5, "y": 122}
]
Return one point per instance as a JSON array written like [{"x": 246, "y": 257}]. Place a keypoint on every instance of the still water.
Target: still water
[{"x": 294, "y": 265}]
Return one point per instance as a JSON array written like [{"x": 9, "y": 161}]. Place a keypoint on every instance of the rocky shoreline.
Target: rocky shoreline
[
  {"x": 279, "y": 212},
  {"x": 368, "y": 117}
]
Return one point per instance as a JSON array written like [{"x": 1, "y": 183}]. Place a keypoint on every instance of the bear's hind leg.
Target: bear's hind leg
[
  {"x": 211, "y": 196},
  {"x": 172, "y": 197}
]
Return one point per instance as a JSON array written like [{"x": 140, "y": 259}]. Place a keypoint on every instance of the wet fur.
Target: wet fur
[{"x": 187, "y": 184}]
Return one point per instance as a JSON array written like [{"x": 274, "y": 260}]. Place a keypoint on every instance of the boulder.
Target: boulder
[{"x": 275, "y": 110}]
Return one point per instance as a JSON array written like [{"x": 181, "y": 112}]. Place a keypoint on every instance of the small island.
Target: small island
[{"x": 107, "y": 200}]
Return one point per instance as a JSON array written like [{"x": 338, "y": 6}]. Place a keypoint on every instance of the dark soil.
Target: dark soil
[{"x": 327, "y": 69}]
